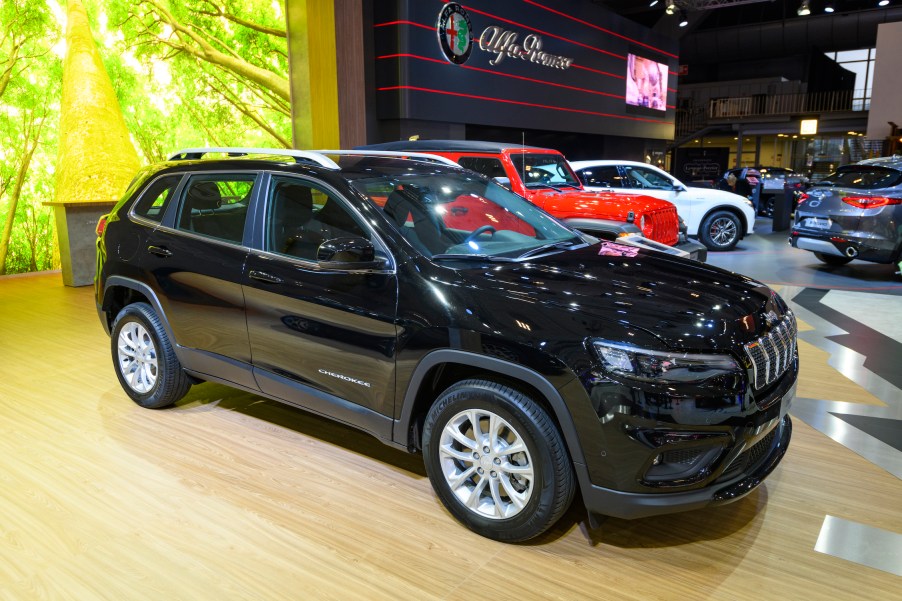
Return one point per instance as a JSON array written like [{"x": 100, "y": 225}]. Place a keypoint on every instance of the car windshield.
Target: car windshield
[
  {"x": 862, "y": 176},
  {"x": 460, "y": 214},
  {"x": 544, "y": 170}
]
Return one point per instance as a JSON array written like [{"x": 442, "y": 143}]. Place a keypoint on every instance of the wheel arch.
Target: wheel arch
[
  {"x": 439, "y": 369},
  {"x": 119, "y": 291}
]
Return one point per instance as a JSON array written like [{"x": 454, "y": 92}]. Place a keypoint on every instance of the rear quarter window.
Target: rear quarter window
[{"x": 156, "y": 197}]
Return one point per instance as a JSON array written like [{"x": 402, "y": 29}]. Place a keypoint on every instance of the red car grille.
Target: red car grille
[{"x": 661, "y": 225}]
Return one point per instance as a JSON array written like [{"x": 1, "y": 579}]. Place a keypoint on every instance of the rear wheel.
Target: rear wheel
[
  {"x": 146, "y": 365},
  {"x": 497, "y": 460},
  {"x": 832, "y": 259},
  {"x": 720, "y": 230}
]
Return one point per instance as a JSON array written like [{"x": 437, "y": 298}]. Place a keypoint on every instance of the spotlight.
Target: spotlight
[
  {"x": 828, "y": 8},
  {"x": 804, "y": 8},
  {"x": 671, "y": 8},
  {"x": 883, "y": 3},
  {"x": 684, "y": 19},
  {"x": 652, "y": 3}
]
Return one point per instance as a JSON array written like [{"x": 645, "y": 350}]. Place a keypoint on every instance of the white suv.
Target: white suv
[{"x": 719, "y": 218}]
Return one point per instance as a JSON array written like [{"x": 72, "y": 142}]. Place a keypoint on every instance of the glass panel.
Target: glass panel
[
  {"x": 604, "y": 177},
  {"x": 640, "y": 177},
  {"x": 303, "y": 216},
  {"x": 852, "y": 55},
  {"x": 544, "y": 170},
  {"x": 156, "y": 197},
  {"x": 456, "y": 213},
  {"x": 216, "y": 205}
]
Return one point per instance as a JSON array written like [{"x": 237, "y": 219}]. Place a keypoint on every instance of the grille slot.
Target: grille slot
[
  {"x": 772, "y": 353},
  {"x": 664, "y": 226}
]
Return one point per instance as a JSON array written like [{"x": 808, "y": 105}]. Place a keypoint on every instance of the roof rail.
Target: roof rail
[
  {"x": 315, "y": 157},
  {"x": 394, "y": 153}
]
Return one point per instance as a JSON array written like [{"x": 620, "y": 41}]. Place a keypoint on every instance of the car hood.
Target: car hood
[
  {"x": 568, "y": 204},
  {"x": 684, "y": 304}
]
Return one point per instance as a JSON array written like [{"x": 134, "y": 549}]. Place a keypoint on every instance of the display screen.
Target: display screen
[{"x": 646, "y": 83}]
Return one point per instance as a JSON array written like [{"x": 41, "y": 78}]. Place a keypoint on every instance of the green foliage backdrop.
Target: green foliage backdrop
[{"x": 186, "y": 73}]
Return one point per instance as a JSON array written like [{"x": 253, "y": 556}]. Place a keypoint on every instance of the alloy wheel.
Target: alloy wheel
[
  {"x": 137, "y": 357},
  {"x": 723, "y": 231},
  {"x": 486, "y": 464}
]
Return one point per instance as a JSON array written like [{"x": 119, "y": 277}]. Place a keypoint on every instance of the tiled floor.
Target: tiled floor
[{"x": 855, "y": 318}]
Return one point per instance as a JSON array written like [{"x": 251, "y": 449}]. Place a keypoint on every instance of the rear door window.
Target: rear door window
[
  {"x": 603, "y": 177},
  {"x": 215, "y": 205}
]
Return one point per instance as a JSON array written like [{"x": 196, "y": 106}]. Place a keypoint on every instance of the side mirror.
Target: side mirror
[
  {"x": 348, "y": 253},
  {"x": 679, "y": 188}
]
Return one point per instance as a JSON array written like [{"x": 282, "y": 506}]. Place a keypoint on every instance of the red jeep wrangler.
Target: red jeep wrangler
[{"x": 543, "y": 176}]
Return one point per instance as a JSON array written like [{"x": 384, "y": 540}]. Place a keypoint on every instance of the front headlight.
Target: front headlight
[
  {"x": 749, "y": 202},
  {"x": 660, "y": 367}
]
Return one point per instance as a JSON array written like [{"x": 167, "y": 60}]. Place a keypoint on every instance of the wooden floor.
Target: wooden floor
[{"x": 229, "y": 496}]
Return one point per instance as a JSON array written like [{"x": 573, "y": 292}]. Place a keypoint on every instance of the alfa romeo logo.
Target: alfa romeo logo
[{"x": 455, "y": 33}]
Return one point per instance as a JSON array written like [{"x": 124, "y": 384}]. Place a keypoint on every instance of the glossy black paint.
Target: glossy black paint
[{"x": 362, "y": 344}]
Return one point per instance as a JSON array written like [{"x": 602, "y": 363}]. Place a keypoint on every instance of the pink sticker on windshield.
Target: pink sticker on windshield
[{"x": 612, "y": 249}]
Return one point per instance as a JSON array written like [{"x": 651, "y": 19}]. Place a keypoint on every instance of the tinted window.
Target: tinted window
[
  {"x": 156, "y": 197},
  {"x": 543, "y": 170},
  {"x": 302, "y": 216},
  {"x": 648, "y": 179},
  {"x": 216, "y": 205},
  {"x": 864, "y": 177},
  {"x": 457, "y": 212},
  {"x": 485, "y": 165},
  {"x": 605, "y": 177}
]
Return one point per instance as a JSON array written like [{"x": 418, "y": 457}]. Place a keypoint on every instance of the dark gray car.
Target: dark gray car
[{"x": 854, "y": 213}]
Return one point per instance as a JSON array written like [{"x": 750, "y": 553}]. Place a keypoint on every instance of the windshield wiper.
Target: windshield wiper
[
  {"x": 478, "y": 257},
  {"x": 555, "y": 186},
  {"x": 561, "y": 244}
]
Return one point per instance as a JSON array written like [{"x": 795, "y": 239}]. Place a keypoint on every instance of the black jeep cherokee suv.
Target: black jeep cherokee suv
[{"x": 442, "y": 313}]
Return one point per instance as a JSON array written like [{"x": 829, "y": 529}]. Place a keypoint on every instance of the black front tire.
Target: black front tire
[
  {"x": 834, "y": 260},
  {"x": 720, "y": 230},
  {"x": 139, "y": 344},
  {"x": 549, "y": 488}
]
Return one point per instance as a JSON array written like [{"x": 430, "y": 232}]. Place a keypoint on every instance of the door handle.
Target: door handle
[
  {"x": 262, "y": 276},
  {"x": 159, "y": 251}
]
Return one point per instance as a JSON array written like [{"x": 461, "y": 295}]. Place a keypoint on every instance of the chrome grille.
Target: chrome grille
[{"x": 772, "y": 354}]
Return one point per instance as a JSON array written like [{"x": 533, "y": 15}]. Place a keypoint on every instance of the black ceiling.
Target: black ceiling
[{"x": 742, "y": 12}]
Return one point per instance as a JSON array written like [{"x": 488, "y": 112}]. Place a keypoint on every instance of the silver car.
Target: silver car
[{"x": 854, "y": 213}]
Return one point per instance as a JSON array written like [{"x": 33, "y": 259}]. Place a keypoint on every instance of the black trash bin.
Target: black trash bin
[{"x": 783, "y": 209}]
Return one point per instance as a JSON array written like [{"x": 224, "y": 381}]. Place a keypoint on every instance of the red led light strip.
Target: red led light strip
[
  {"x": 421, "y": 26},
  {"x": 550, "y": 35},
  {"x": 519, "y": 102},
  {"x": 593, "y": 26},
  {"x": 511, "y": 75}
]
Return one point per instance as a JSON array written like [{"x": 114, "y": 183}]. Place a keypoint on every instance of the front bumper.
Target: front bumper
[{"x": 626, "y": 505}]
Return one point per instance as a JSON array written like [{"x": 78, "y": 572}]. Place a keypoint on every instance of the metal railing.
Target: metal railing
[{"x": 787, "y": 104}]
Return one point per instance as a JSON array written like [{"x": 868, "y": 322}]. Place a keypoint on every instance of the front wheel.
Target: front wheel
[
  {"x": 834, "y": 260},
  {"x": 720, "y": 230},
  {"x": 146, "y": 365},
  {"x": 497, "y": 460}
]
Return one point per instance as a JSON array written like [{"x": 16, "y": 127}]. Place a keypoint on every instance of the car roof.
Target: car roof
[
  {"x": 893, "y": 162},
  {"x": 608, "y": 162},
  {"x": 448, "y": 146}
]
